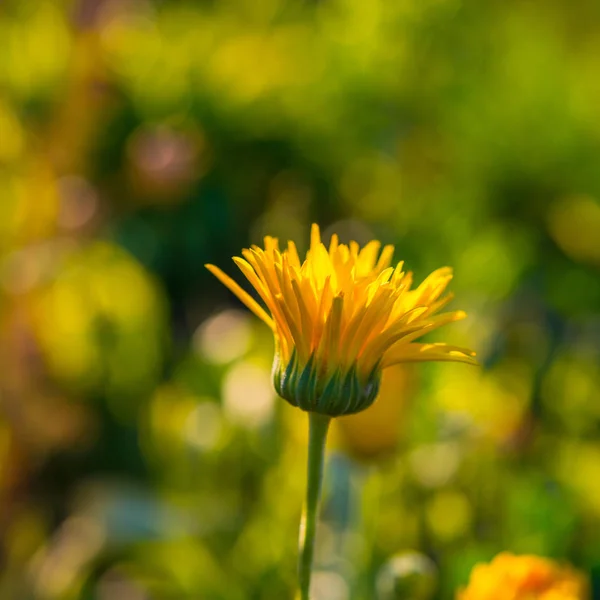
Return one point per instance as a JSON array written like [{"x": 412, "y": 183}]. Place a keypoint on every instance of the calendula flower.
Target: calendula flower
[
  {"x": 510, "y": 577},
  {"x": 340, "y": 317}
]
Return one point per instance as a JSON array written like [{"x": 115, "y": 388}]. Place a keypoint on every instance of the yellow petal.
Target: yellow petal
[
  {"x": 241, "y": 294},
  {"x": 315, "y": 237},
  {"x": 428, "y": 352}
]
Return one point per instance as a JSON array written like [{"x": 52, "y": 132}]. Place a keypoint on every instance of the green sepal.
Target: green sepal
[
  {"x": 304, "y": 390},
  {"x": 329, "y": 393},
  {"x": 330, "y": 400}
]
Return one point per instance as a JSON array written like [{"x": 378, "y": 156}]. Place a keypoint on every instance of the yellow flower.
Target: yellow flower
[
  {"x": 510, "y": 577},
  {"x": 340, "y": 317}
]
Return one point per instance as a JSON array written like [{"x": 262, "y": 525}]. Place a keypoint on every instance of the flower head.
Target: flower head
[
  {"x": 510, "y": 577},
  {"x": 341, "y": 316}
]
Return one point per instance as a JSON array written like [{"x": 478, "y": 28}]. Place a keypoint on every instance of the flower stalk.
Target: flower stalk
[{"x": 318, "y": 427}]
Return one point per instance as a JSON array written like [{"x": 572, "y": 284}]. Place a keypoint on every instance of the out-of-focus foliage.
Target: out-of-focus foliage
[{"x": 143, "y": 454}]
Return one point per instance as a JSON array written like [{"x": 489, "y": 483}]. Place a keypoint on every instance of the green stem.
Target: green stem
[{"x": 318, "y": 426}]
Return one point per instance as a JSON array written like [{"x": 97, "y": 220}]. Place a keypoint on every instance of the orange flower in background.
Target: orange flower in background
[
  {"x": 510, "y": 577},
  {"x": 340, "y": 317}
]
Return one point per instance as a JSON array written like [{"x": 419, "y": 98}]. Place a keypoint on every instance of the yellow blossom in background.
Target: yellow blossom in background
[
  {"x": 340, "y": 317},
  {"x": 510, "y": 577},
  {"x": 374, "y": 434}
]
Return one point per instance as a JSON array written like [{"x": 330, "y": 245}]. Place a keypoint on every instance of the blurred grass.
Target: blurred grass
[{"x": 142, "y": 451}]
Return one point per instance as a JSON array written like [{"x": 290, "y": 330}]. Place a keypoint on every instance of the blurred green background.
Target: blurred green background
[{"x": 143, "y": 454}]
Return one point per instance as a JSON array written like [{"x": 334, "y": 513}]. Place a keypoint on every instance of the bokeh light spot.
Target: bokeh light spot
[
  {"x": 204, "y": 426},
  {"x": 327, "y": 585},
  {"x": 434, "y": 465},
  {"x": 223, "y": 337},
  {"x": 574, "y": 223},
  {"x": 248, "y": 395},
  {"x": 449, "y": 514}
]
